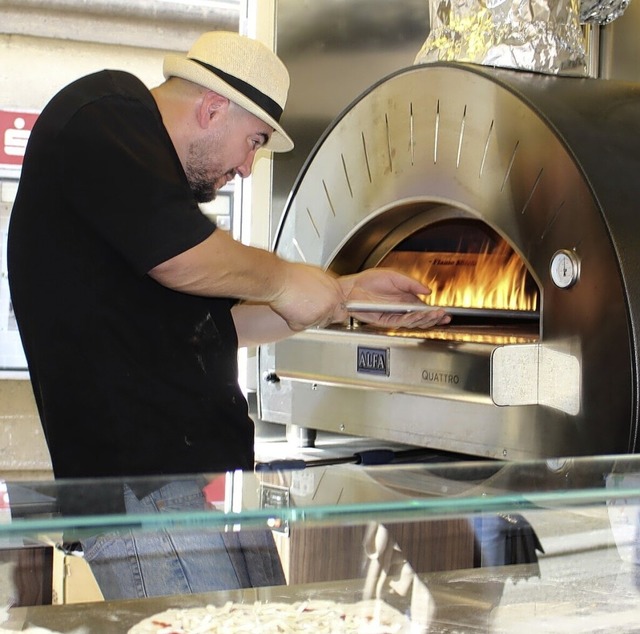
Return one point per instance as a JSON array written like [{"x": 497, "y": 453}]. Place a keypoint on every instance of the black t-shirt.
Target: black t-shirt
[{"x": 130, "y": 378}]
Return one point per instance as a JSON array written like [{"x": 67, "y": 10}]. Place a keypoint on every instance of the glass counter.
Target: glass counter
[{"x": 482, "y": 546}]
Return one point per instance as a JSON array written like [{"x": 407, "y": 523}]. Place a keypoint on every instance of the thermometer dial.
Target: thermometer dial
[{"x": 564, "y": 268}]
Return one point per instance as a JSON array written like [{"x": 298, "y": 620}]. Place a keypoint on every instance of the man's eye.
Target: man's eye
[{"x": 259, "y": 141}]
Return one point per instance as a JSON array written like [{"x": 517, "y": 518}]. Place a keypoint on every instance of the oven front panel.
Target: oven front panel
[{"x": 453, "y": 141}]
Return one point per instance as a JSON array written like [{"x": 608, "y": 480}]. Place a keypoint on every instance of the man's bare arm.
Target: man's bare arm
[{"x": 303, "y": 295}]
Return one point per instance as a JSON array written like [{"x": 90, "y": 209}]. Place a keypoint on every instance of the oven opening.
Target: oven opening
[{"x": 477, "y": 274}]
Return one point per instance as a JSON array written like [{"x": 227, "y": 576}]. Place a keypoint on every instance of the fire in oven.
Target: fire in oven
[
  {"x": 473, "y": 272},
  {"x": 512, "y": 196}
]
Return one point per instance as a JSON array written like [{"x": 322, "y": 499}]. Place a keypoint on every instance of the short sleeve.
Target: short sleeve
[{"x": 123, "y": 177}]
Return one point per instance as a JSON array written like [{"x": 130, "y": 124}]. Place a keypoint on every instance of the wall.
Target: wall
[{"x": 620, "y": 46}]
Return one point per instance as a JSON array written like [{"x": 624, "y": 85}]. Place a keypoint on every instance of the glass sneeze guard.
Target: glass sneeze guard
[{"x": 484, "y": 546}]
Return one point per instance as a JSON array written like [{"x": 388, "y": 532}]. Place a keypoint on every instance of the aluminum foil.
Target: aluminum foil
[
  {"x": 601, "y": 11},
  {"x": 535, "y": 35}
]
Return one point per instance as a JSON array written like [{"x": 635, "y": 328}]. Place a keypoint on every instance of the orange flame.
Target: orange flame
[{"x": 494, "y": 279}]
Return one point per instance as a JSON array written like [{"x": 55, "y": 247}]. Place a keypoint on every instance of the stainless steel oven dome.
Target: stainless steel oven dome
[{"x": 548, "y": 163}]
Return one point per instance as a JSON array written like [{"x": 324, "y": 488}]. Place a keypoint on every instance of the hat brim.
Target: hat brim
[{"x": 177, "y": 66}]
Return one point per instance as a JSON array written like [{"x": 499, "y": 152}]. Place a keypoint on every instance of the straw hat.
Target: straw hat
[{"x": 242, "y": 69}]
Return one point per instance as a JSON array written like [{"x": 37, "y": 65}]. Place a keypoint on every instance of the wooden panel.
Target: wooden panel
[
  {"x": 29, "y": 574},
  {"x": 312, "y": 555}
]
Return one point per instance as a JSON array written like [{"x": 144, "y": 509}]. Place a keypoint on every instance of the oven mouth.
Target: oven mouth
[{"x": 474, "y": 274}]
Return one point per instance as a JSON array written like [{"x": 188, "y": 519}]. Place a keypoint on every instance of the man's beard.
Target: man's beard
[
  {"x": 203, "y": 185},
  {"x": 203, "y": 190}
]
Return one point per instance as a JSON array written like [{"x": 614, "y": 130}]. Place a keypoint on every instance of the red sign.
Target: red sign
[{"x": 15, "y": 128}]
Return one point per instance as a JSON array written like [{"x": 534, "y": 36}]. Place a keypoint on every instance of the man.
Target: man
[{"x": 131, "y": 304}]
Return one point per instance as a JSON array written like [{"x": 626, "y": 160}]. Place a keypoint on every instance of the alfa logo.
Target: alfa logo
[{"x": 373, "y": 360}]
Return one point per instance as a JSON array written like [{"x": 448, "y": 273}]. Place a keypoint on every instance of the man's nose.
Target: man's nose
[{"x": 244, "y": 170}]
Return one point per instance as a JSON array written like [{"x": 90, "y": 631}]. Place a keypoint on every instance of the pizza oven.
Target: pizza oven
[{"x": 514, "y": 196}]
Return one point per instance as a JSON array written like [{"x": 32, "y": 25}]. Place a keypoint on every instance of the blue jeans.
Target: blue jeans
[{"x": 142, "y": 564}]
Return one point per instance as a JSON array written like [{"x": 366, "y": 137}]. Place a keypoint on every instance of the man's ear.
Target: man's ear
[{"x": 211, "y": 107}]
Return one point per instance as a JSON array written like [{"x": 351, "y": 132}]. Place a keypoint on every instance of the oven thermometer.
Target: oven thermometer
[{"x": 565, "y": 268}]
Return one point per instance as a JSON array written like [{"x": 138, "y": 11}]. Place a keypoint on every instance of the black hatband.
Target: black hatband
[{"x": 259, "y": 98}]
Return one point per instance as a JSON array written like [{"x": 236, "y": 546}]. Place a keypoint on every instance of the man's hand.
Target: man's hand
[
  {"x": 382, "y": 285},
  {"x": 309, "y": 297}
]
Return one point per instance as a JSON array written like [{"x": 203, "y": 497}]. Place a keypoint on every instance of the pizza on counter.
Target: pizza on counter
[{"x": 313, "y": 616}]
